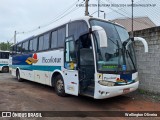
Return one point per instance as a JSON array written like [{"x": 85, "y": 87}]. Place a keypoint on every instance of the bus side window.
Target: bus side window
[
  {"x": 61, "y": 36},
  {"x": 7, "y": 55},
  {"x": 19, "y": 48},
  {"x": 4, "y": 55},
  {"x": 11, "y": 50},
  {"x": 14, "y": 50},
  {"x": 40, "y": 43},
  {"x": 31, "y": 46},
  {"x": 25, "y": 47},
  {"x": 54, "y": 39},
  {"x": 46, "y": 41},
  {"x": 35, "y": 42}
]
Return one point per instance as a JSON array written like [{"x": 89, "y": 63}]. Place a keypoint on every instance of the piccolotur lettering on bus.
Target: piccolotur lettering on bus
[{"x": 51, "y": 60}]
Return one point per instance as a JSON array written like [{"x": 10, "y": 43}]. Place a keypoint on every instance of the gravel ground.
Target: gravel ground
[{"x": 30, "y": 96}]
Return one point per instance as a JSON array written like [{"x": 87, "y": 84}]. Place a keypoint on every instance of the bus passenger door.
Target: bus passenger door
[{"x": 70, "y": 62}]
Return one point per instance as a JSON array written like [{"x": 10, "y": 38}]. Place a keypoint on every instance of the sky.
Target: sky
[{"x": 27, "y": 16}]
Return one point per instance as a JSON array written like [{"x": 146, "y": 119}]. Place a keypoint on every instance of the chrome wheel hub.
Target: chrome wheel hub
[{"x": 59, "y": 85}]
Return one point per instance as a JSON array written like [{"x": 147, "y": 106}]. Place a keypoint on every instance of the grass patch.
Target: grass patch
[
  {"x": 153, "y": 95},
  {"x": 142, "y": 91}
]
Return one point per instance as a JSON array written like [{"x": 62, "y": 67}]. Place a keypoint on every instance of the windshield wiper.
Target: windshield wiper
[
  {"x": 127, "y": 51},
  {"x": 119, "y": 49},
  {"x": 113, "y": 41}
]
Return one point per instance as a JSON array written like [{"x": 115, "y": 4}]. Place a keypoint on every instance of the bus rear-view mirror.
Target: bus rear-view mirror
[
  {"x": 141, "y": 40},
  {"x": 101, "y": 35}
]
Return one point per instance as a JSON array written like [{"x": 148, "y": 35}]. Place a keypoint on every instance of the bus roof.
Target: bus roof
[{"x": 85, "y": 18}]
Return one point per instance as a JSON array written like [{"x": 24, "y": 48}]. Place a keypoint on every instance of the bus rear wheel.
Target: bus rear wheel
[
  {"x": 18, "y": 76},
  {"x": 59, "y": 86},
  {"x": 5, "y": 69}
]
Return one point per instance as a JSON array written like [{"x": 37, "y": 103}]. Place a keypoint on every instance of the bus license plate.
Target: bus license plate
[{"x": 126, "y": 90}]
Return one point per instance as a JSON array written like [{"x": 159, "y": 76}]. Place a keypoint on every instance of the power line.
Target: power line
[
  {"x": 122, "y": 9},
  {"x": 65, "y": 14},
  {"x": 62, "y": 13},
  {"x": 56, "y": 18},
  {"x": 128, "y": 17},
  {"x": 72, "y": 10},
  {"x": 135, "y": 11},
  {"x": 114, "y": 10}
]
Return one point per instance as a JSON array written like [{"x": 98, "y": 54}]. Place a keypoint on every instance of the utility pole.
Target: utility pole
[
  {"x": 98, "y": 8},
  {"x": 15, "y": 33},
  {"x": 86, "y": 8},
  {"x": 7, "y": 45},
  {"x": 132, "y": 33}
]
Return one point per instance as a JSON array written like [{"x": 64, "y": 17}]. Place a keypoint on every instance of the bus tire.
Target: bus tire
[
  {"x": 59, "y": 86},
  {"x": 5, "y": 69},
  {"x": 18, "y": 76}
]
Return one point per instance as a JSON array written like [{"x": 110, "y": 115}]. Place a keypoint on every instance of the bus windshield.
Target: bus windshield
[{"x": 115, "y": 57}]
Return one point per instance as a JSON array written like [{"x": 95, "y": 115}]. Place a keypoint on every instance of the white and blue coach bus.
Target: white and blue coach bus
[
  {"x": 4, "y": 61},
  {"x": 86, "y": 56}
]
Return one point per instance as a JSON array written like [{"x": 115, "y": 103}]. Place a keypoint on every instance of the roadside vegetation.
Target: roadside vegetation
[{"x": 5, "y": 46}]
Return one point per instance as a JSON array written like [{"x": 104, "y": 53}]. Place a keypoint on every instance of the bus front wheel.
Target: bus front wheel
[
  {"x": 18, "y": 76},
  {"x": 59, "y": 86}
]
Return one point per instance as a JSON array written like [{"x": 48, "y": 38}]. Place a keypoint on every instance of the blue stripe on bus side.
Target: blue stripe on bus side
[
  {"x": 3, "y": 64},
  {"x": 36, "y": 67}
]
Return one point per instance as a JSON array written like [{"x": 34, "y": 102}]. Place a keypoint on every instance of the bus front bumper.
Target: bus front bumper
[{"x": 102, "y": 92}]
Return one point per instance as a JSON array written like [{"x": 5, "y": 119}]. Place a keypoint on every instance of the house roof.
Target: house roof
[{"x": 139, "y": 23}]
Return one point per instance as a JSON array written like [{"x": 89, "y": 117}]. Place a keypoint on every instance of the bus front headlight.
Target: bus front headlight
[{"x": 106, "y": 83}]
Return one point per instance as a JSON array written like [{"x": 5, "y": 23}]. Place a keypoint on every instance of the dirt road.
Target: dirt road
[{"x": 30, "y": 96}]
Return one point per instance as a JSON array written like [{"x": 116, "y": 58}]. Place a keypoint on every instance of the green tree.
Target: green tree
[{"x": 5, "y": 46}]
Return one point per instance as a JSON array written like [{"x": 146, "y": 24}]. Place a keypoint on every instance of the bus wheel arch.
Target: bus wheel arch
[
  {"x": 5, "y": 69},
  {"x": 58, "y": 84},
  {"x": 18, "y": 75},
  {"x": 54, "y": 75}
]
